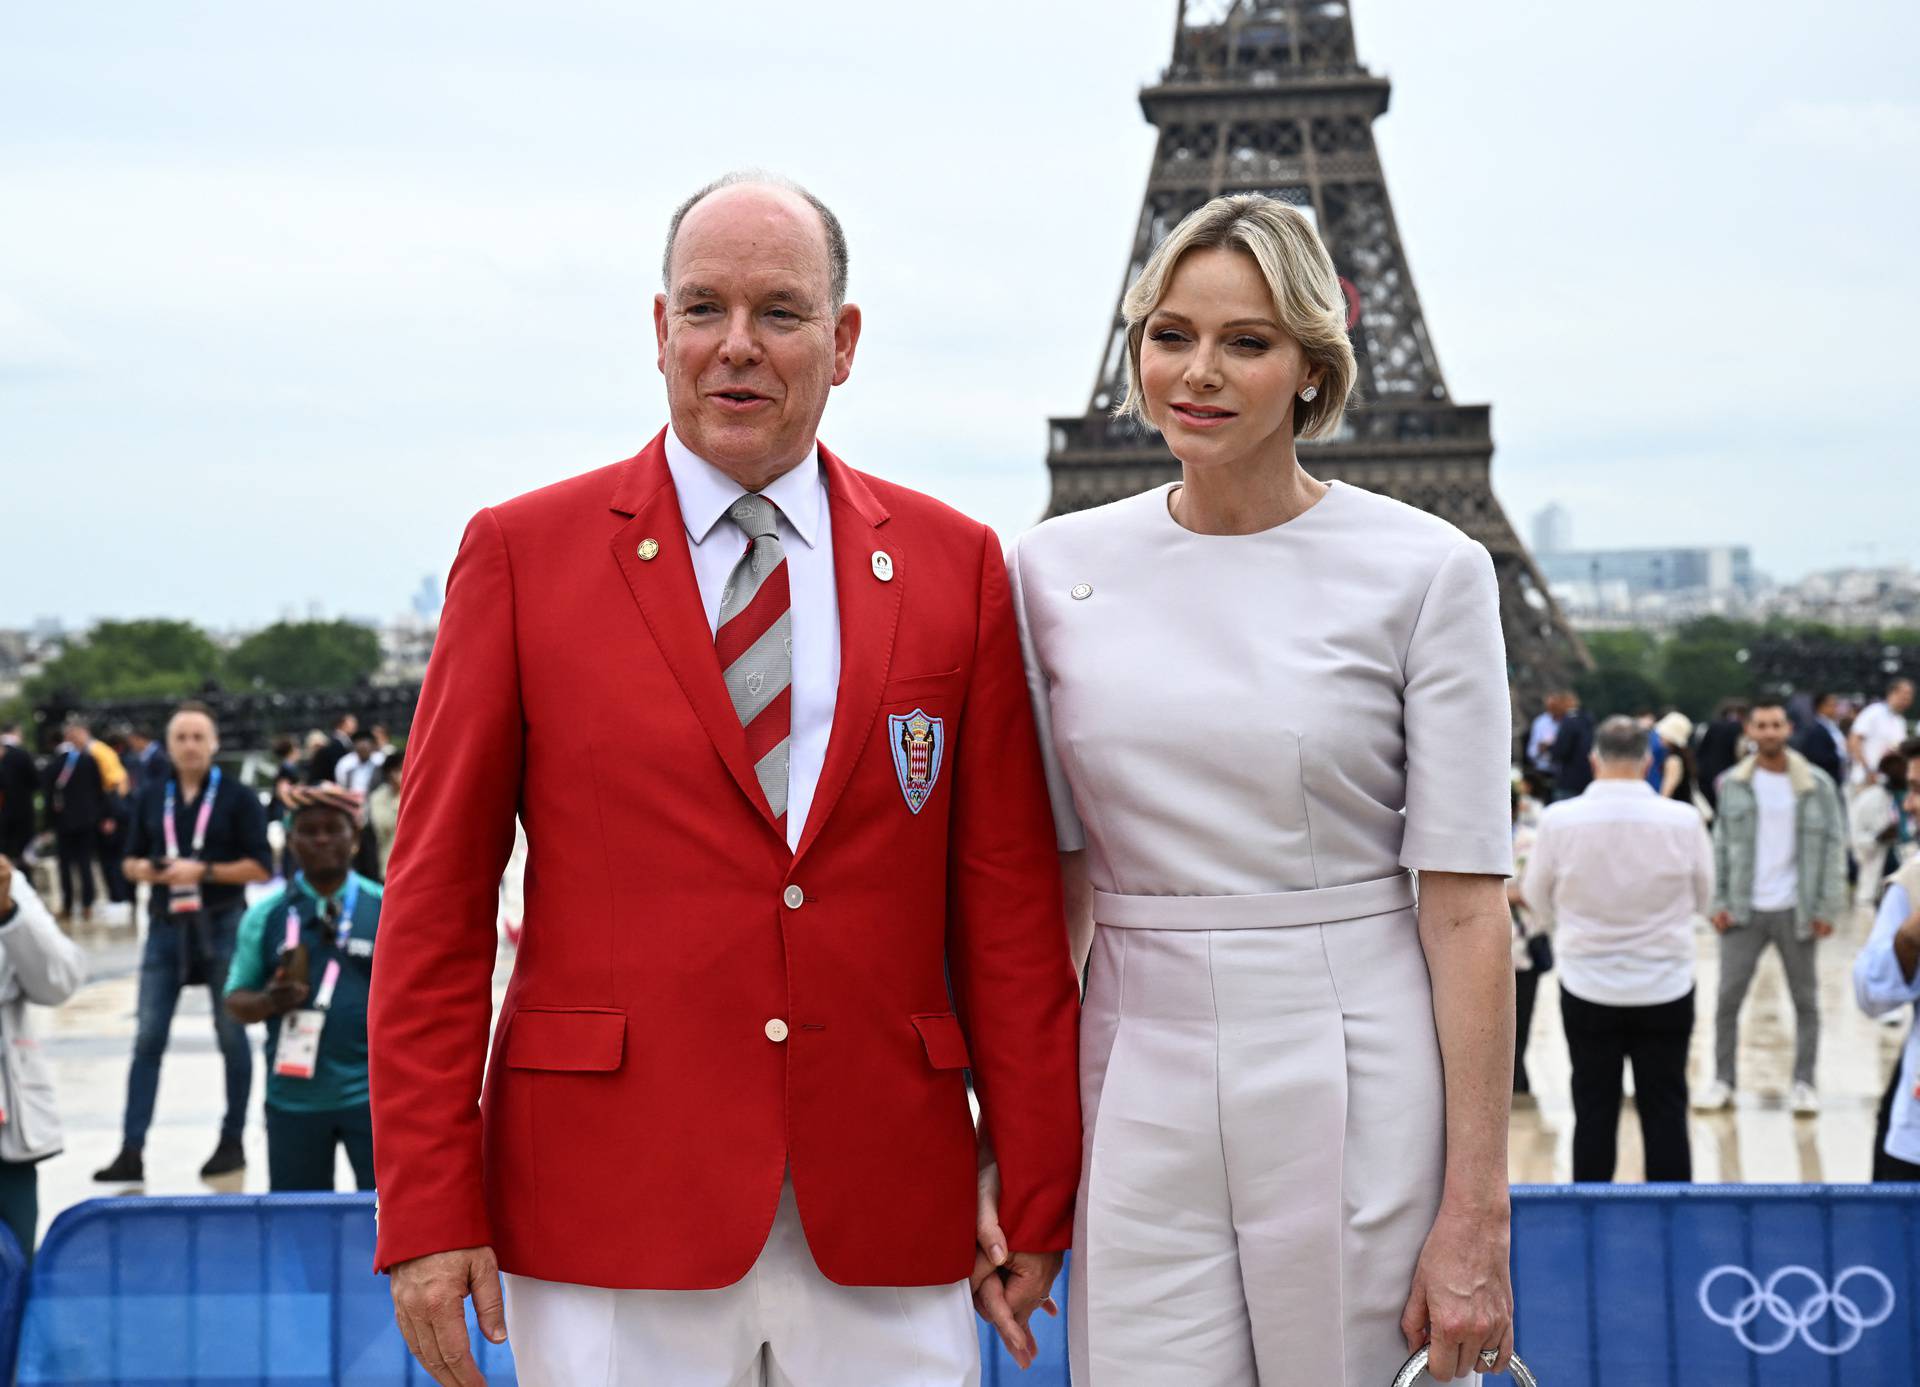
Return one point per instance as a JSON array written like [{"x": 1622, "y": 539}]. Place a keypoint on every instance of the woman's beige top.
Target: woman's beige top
[{"x": 1316, "y": 705}]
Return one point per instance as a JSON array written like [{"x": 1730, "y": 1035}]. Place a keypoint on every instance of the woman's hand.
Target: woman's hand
[{"x": 1462, "y": 1299}]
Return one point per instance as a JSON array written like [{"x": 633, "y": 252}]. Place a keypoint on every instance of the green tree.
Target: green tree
[
  {"x": 306, "y": 655},
  {"x": 1705, "y": 661},
  {"x": 1626, "y": 676},
  {"x": 150, "y": 658}
]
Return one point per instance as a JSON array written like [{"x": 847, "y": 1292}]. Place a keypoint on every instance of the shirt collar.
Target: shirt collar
[
  {"x": 706, "y": 492},
  {"x": 1619, "y": 787},
  {"x": 306, "y": 887}
]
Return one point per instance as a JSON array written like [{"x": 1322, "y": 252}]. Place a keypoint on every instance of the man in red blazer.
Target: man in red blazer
[{"x": 790, "y": 876}]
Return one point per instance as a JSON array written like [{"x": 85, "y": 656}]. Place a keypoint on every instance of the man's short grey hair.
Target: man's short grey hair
[
  {"x": 1621, "y": 740},
  {"x": 759, "y": 178}
]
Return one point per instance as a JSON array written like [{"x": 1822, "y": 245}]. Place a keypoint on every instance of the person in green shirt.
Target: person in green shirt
[{"x": 302, "y": 963}]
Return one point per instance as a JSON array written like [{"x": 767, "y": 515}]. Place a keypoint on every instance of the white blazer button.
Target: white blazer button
[
  {"x": 1082, "y": 591},
  {"x": 776, "y": 1030},
  {"x": 794, "y": 898}
]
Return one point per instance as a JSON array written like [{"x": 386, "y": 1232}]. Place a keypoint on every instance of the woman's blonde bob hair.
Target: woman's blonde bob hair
[{"x": 1299, "y": 274}]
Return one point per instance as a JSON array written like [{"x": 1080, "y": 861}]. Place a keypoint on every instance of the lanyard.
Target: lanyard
[
  {"x": 330, "y": 979},
  {"x": 207, "y": 794},
  {"x": 66, "y": 771}
]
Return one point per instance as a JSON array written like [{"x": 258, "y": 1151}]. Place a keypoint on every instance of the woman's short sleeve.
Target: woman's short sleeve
[
  {"x": 1459, "y": 724},
  {"x": 1071, "y": 835}
]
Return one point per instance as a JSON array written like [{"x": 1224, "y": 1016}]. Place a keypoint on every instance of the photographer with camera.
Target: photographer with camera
[{"x": 196, "y": 839}]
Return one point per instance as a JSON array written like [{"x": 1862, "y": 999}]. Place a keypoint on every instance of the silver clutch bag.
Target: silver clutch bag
[{"x": 1416, "y": 1367}]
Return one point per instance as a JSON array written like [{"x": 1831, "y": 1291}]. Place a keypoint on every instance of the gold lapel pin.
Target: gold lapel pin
[
  {"x": 648, "y": 548},
  {"x": 883, "y": 565}
]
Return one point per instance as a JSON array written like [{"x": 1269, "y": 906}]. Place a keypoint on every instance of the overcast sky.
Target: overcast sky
[{"x": 287, "y": 292}]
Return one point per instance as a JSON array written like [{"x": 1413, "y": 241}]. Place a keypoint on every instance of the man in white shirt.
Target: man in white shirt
[
  {"x": 1540, "y": 735},
  {"x": 1879, "y": 730},
  {"x": 1780, "y": 868},
  {"x": 359, "y": 769},
  {"x": 1621, "y": 874}
]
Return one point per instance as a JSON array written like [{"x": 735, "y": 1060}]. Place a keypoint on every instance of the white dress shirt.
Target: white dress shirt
[
  {"x": 357, "y": 774},
  {"x": 1880, "y": 731},
  {"x": 806, "y": 535},
  {"x": 1620, "y": 874}
]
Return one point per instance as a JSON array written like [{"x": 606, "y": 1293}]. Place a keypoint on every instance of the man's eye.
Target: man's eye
[
  {"x": 781, "y": 313},
  {"x": 701, "y": 310}
]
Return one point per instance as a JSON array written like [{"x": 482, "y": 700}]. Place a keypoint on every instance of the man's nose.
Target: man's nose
[{"x": 740, "y": 347}]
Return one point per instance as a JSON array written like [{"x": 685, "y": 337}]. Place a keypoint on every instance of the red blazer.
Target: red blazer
[{"x": 641, "y": 1110}]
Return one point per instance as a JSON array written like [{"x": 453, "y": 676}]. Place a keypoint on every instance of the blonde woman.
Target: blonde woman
[{"x": 1266, "y": 701}]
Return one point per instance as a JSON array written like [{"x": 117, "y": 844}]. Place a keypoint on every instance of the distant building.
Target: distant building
[
  {"x": 1552, "y": 530},
  {"x": 1617, "y": 582},
  {"x": 426, "y": 599}
]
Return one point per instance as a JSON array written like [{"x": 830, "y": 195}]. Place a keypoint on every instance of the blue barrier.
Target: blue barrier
[
  {"x": 222, "y": 1289},
  {"x": 1757, "y": 1286},
  {"x": 13, "y": 1297}
]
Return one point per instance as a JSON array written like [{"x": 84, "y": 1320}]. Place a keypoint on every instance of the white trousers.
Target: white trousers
[
  {"x": 781, "y": 1325},
  {"x": 1265, "y": 1144}
]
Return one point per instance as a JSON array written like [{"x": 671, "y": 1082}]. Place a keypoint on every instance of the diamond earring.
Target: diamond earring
[{"x": 1310, "y": 394}]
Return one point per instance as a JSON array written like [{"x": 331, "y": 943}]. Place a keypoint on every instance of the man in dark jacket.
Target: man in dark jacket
[
  {"x": 19, "y": 783},
  {"x": 1572, "y": 750},
  {"x": 1821, "y": 741},
  {"x": 76, "y": 799},
  {"x": 1722, "y": 745}
]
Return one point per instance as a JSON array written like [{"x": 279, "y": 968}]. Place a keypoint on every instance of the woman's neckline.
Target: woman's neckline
[{"x": 1165, "y": 496}]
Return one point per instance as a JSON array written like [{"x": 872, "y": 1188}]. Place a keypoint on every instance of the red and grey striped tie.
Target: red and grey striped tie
[{"x": 754, "y": 640}]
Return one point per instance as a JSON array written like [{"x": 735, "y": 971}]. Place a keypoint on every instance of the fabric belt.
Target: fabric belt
[{"x": 1268, "y": 911}]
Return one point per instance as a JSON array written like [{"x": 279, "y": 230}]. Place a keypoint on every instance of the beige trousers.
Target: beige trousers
[{"x": 1265, "y": 1143}]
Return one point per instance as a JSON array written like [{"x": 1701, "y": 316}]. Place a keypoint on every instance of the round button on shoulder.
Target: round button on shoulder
[
  {"x": 776, "y": 1030},
  {"x": 794, "y": 898}
]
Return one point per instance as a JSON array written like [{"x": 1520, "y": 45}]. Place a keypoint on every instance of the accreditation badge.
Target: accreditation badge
[
  {"x": 299, "y": 1048},
  {"x": 183, "y": 900}
]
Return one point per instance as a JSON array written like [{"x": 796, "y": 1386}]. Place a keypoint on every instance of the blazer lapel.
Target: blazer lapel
[
  {"x": 668, "y": 596},
  {"x": 869, "y": 616}
]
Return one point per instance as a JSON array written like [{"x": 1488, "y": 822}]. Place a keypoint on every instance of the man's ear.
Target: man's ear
[
  {"x": 660, "y": 332},
  {"x": 846, "y": 337}
]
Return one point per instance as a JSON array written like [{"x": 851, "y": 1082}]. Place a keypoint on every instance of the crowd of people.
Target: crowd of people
[
  {"x": 281, "y": 934},
  {"x": 1771, "y": 825}
]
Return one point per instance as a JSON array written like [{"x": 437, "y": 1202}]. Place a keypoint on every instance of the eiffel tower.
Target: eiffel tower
[{"x": 1271, "y": 98}]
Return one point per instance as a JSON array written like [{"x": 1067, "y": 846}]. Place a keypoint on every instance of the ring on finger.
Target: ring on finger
[{"x": 1488, "y": 1357}]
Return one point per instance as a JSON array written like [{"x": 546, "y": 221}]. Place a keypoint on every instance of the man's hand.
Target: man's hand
[
  {"x": 6, "y": 886},
  {"x": 1006, "y": 1298},
  {"x": 1007, "y": 1289},
  {"x": 182, "y": 871},
  {"x": 286, "y": 993},
  {"x": 429, "y": 1295},
  {"x": 1822, "y": 929},
  {"x": 1723, "y": 921}
]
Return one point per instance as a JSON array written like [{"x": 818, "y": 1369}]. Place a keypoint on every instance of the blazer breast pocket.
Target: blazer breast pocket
[{"x": 911, "y": 687}]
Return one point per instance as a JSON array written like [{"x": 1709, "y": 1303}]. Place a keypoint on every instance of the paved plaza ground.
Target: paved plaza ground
[{"x": 88, "y": 1043}]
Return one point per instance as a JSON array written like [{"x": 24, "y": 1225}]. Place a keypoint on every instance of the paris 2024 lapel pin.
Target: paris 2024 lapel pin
[{"x": 919, "y": 743}]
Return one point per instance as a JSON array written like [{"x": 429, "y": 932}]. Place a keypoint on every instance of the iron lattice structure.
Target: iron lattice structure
[{"x": 1272, "y": 98}]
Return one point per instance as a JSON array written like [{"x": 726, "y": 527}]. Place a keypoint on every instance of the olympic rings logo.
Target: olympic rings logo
[{"x": 1797, "y": 1319}]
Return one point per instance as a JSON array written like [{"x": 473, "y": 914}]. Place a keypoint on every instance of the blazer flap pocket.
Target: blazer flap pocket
[
  {"x": 911, "y": 686},
  {"x": 578, "y": 1038},
  {"x": 946, "y": 1044}
]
